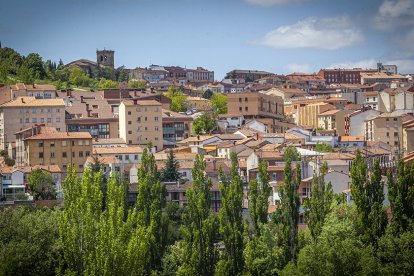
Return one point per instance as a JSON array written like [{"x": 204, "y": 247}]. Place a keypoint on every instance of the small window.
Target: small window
[
  {"x": 40, "y": 154},
  {"x": 42, "y": 120},
  {"x": 34, "y": 120},
  {"x": 27, "y": 120},
  {"x": 73, "y": 143},
  {"x": 58, "y": 110},
  {"x": 136, "y": 157},
  {"x": 81, "y": 154},
  {"x": 52, "y": 143},
  {"x": 49, "y": 120},
  {"x": 129, "y": 112},
  {"x": 73, "y": 154},
  {"x": 87, "y": 153},
  {"x": 86, "y": 142},
  {"x": 40, "y": 144},
  {"x": 129, "y": 131},
  {"x": 63, "y": 143},
  {"x": 64, "y": 154},
  {"x": 129, "y": 122},
  {"x": 127, "y": 157},
  {"x": 57, "y": 120},
  {"x": 80, "y": 142}
]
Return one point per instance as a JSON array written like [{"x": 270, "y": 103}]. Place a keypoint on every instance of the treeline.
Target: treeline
[
  {"x": 29, "y": 69},
  {"x": 98, "y": 233}
]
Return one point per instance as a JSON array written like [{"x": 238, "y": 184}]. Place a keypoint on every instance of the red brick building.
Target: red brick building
[{"x": 343, "y": 75}]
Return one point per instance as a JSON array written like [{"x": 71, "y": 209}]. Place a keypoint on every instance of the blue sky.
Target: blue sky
[{"x": 281, "y": 36}]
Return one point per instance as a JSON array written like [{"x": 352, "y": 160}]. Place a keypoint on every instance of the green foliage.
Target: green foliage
[
  {"x": 200, "y": 226},
  {"x": 41, "y": 185},
  {"x": 323, "y": 148},
  {"x": 219, "y": 103},
  {"x": 318, "y": 206},
  {"x": 78, "y": 77},
  {"x": 10, "y": 60},
  {"x": 137, "y": 84},
  {"x": 104, "y": 83},
  {"x": 28, "y": 241},
  {"x": 259, "y": 192},
  {"x": 401, "y": 196},
  {"x": 368, "y": 196},
  {"x": 34, "y": 63},
  {"x": 173, "y": 259},
  {"x": 170, "y": 172},
  {"x": 231, "y": 218},
  {"x": 291, "y": 153},
  {"x": 178, "y": 99},
  {"x": 204, "y": 124}
]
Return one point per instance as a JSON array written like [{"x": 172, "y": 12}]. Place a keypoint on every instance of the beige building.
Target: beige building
[
  {"x": 39, "y": 91},
  {"x": 308, "y": 115},
  {"x": 24, "y": 112},
  {"x": 333, "y": 120},
  {"x": 198, "y": 103},
  {"x": 387, "y": 128},
  {"x": 258, "y": 105},
  {"x": 408, "y": 137},
  {"x": 50, "y": 147},
  {"x": 140, "y": 122}
]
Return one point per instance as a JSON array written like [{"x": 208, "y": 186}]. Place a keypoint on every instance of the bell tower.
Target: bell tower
[{"x": 105, "y": 58}]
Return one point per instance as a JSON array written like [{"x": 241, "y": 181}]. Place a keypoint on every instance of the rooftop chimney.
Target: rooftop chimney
[
  {"x": 82, "y": 101},
  {"x": 135, "y": 101},
  {"x": 22, "y": 100}
]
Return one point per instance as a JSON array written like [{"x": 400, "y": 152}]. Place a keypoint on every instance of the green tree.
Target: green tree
[
  {"x": 368, "y": 196},
  {"x": 318, "y": 206},
  {"x": 200, "y": 226},
  {"x": 137, "y": 84},
  {"x": 288, "y": 207},
  {"x": 150, "y": 203},
  {"x": 28, "y": 241},
  {"x": 78, "y": 77},
  {"x": 323, "y": 148},
  {"x": 259, "y": 191},
  {"x": 204, "y": 123},
  {"x": 34, "y": 63},
  {"x": 11, "y": 60},
  {"x": 401, "y": 196},
  {"x": 171, "y": 171},
  {"x": 104, "y": 83},
  {"x": 231, "y": 219},
  {"x": 41, "y": 185},
  {"x": 25, "y": 75},
  {"x": 178, "y": 99},
  {"x": 219, "y": 103}
]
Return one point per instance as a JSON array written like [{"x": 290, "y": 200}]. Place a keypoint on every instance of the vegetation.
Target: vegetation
[
  {"x": 171, "y": 173},
  {"x": 219, "y": 103},
  {"x": 323, "y": 148},
  {"x": 41, "y": 185},
  {"x": 178, "y": 99},
  {"x": 204, "y": 124}
]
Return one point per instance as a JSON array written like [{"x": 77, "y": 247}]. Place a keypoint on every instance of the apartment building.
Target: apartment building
[
  {"x": 50, "y": 147},
  {"x": 408, "y": 137},
  {"x": 140, "y": 122},
  {"x": 175, "y": 127},
  {"x": 256, "y": 105},
  {"x": 308, "y": 115},
  {"x": 381, "y": 77},
  {"x": 388, "y": 128},
  {"x": 200, "y": 74},
  {"x": 39, "y": 91},
  {"x": 198, "y": 103},
  {"x": 247, "y": 75},
  {"x": 396, "y": 99},
  {"x": 355, "y": 121},
  {"x": 24, "y": 112}
]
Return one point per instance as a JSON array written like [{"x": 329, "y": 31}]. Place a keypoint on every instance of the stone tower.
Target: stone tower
[{"x": 105, "y": 58}]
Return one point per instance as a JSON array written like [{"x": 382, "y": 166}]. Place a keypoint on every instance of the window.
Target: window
[
  {"x": 129, "y": 131},
  {"x": 146, "y": 119},
  {"x": 34, "y": 120},
  {"x": 58, "y": 110},
  {"x": 240, "y": 108},
  {"x": 42, "y": 120},
  {"x": 86, "y": 142},
  {"x": 21, "y": 120},
  {"x": 129, "y": 122},
  {"x": 81, "y": 166},
  {"x": 52, "y": 155},
  {"x": 139, "y": 119},
  {"x": 80, "y": 142},
  {"x": 73, "y": 143},
  {"x": 240, "y": 100},
  {"x": 156, "y": 128},
  {"x": 127, "y": 157},
  {"x": 156, "y": 109},
  {"x": 73, "y": 154},
  {"x": 87, "y": 153},
  {"x": 33, "y": 110},
  {"x": 40, "y": 154},
  {"x": 81, "y": 154},
  {"x": 52, "y": 143},
  {"x": 395, "y": 134},
  {"x": 136, "y": 157},
  {"x": 146, "y": 128},
  {"x": 130, "y": 142},
  {"x": 156, "y": 138},
  {"x": 27, "y": 120},
  {"x": 57, "y": 120},
  {"x": 388, "y": 134},
  {"x": 246, "y": 108},
  {"x": 129, "y": 112},
  {"x": 156, "y": 119},
  {"x": 49, "y": 120},
  {"x": 64, "y": 166},
  {"x": 63, "y": 143},
  {"x": 40, "y": 144},
  {"x": 246, "y": 99},
  {"x": 49, "y": 110},
  {"x": 64, "y": 154}
]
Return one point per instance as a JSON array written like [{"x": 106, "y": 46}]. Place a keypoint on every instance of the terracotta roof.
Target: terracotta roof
[
  {"x": 33, "y": 102},
  {"x": 33, "y": 87},
  {"x": 329, "y": 112},
  {"x": 352, "y": 106},
  {"x": 118, "y": 150},
  {"x": 103, "y": 160},
  {"x": 271, "y": 169},
  {"x": 338, "y": 155},
  {"x": 142, "y": 103},
  {"x": 46, "y": 135},
  {"x": 270, "y": 147},
  {"x": 200, "y": 138},
  {"x": 108, "y": 141}
]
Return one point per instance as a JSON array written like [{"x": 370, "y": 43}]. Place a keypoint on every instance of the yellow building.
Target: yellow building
[
  {"x": 140, "y": 122},
  {"x": 308, "y": 115},
  {"x": 50, "y": 147},
  {"x": 24, "y": 112}
]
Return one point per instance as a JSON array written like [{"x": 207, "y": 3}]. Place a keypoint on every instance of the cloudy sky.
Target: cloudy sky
[{"x": 280, "y": 36}]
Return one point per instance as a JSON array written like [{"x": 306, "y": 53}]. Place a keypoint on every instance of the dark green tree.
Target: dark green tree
[
  {"x": 231, "y": 219},
  {"x": 318, "y": 205},
  {"x": 367, "y": 192},
  {"x": 41, "y": 185},
  {"x": 204, "y": 123},
  {"x": 401, "y": 196},
  {"x": 200, "y": 226},
  {"x": 171, "y": 171},
  {"x": 259, "y": 191},
  {"x": 34, "y": 63}
]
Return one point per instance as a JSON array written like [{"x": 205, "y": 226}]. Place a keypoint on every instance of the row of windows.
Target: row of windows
[
  {"x": 145, "y": 109},
  {"x": 65, "y": 155},
  {"x": 64, "y": 143},
  {"x": 41, "y": 110},
  {"x": 145, "y": 119},
  {"x": 42, "y": 120}
]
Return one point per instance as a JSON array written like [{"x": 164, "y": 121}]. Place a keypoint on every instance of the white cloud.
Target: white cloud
[
  {"x": 364, "y": 64},
  {"x": 405, "y": 66},
  {"x": 268, "y": 3},
  {"x": 319, "y": 33},
  {"x": 395, "y": 13},
  {"x": 298, "y": 68}
]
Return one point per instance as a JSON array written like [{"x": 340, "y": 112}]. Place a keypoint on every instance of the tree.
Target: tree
[
  {"x": 28, "y": 241},
  {"x": 41, "y": 185},
  {"x": 289, "y": 203},
  {"x": 368, "y": 196},
  {"x": 78, "y": 77},
  {"x": 136, "y": 84},
  {"x": 219, "y": 103},
  {"x": 11, "y": 60},
  {"x": 231, "y": 219},
  {"x": 178, "y": 99},
  {"x": 149, "y": 205},
  {"x": 318, "y": 206},
  {"x": 33, "y": 62},
  {"x": 204, "y": 123},
  {"x": 323, "y": 148},
  {"x": 259, "y": 191},
  {"x": 401, "y": 196},
  {"x": 104, "y": 83},
  {"x": 200, "y": 226},
  {"x": 170, "y": 172}
]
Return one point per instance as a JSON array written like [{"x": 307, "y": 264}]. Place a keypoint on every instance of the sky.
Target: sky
[{"x": 279, "y": 36}]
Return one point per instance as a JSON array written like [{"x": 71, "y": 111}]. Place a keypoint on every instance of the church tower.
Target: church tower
[{"x": 105, "y": 58}]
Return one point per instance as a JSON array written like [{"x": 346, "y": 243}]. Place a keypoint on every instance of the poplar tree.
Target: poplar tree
[
  {"x": 318, "y": 205},
  {"x": 231, "y": 219},
  {"x": 368, "y": 195},
  {"x": 259, "y": 191},
  {"x": 401, "y": 196},
  {"x": 200, "y": 226},
  {"x": 289, "y": 203},
  {"x": 171, "y": 173}
]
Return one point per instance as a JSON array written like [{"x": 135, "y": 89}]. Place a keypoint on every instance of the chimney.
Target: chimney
[
  {"x": 82, "y": 101},
  {"x": 22, "y": 100},
  {"x": 135, "y": 101},
  {"x": 87, "y": 106},
  {"x": 215, "y": 164},
  {"x": 88, "y": 112}
]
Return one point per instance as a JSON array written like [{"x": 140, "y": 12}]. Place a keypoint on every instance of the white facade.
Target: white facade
[{"x": 357, "y": 122}]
